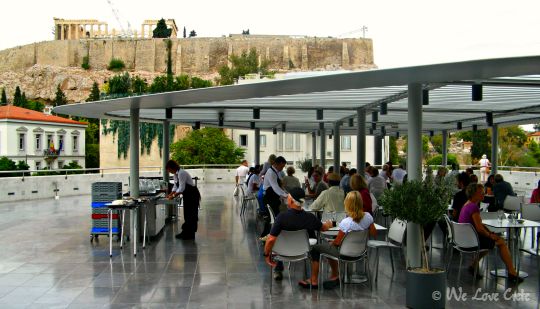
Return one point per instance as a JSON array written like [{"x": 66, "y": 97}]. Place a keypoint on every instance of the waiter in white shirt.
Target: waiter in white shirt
[
  {"x": 183, "y": 184},
  {"x": 241, "y": 173},
  {"x": 273, "y": 193}
]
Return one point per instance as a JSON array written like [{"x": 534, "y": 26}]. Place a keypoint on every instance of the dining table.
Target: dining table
[{"x": 513, "y": 228}]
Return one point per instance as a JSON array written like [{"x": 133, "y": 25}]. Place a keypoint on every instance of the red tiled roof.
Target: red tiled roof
[
  {"x": 15, "y": 112},
  {"x": 535, "y": 134}
]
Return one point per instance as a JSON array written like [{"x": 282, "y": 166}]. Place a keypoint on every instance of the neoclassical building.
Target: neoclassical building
[{"x": 40, "y": 139}]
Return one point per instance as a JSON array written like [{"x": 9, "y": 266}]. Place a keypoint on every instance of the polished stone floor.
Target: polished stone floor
[{"x": 47, "y": 261}]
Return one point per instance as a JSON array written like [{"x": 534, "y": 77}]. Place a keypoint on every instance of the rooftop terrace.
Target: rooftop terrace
[{"x": 47, "y": 260}]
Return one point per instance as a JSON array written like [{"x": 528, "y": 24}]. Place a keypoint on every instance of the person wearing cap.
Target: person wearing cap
[
  {"x": 273, "y": 192},
  {"x": 356, "y": 220},
  {"x": 294, "y": 219},
  {"x": 330, "y": 200},
  {"x": 484, "y": 168}
]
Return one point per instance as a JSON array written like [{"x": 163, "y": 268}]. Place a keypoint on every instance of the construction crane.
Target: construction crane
[
  {"x": 364, "y": 29},
  {"x": 116, "y": 14}
]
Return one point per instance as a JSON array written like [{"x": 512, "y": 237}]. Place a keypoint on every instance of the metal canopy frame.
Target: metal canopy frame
[{"x": 511, "y": 91}]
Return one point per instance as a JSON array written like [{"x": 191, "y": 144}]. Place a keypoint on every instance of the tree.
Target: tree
[
  {"x": 437, "y": 160},
  {"x": 120, "y": 84},
  {"x": 206, "y": 146},
  {"x": 393, "y": 150},
  {"x": 3, "y": 101},
  {"x": 17, "y": 97},
  {"x": 436, "y": 141},
  {"x": 537, "y": 127},
  {"x": 24, "y": 101},
  {"x": 246, "y": 63},
  {"x": 94, "y": 93},
  {"x": 139, "y": 85},
  {"x": 511, "y": 144},
  {"x": 185, "y": 32},
  {"x": 60, "y": 98},
  {"x": 425, "y": 146},
  {"x": 192, "y": 34},
  {"x": 197, "y": 82},
  {"x": 161, "y": 31},
  {"x": 7, "y": 164},
  {"x": 35, "y": 105},
  {"x": 481, "y": 145}
]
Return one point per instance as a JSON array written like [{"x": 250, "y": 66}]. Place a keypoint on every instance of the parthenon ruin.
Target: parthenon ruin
[{"x": 74, "y": 29}]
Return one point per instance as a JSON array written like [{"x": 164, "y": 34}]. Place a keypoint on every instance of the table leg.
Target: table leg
[
  {"x": 123, "y": 211},
  {"x": 144, "y": 227},
  {"x": 135, "y": 219},
  {"x": 512, "y": 243}
]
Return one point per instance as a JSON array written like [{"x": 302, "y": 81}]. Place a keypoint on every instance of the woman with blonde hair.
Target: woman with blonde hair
[
  {"x": 358, "y": 183},
  {"x": 356, "y": 220}
]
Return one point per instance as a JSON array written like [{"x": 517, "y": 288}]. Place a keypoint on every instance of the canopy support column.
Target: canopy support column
[
  {"x": 166, "y": 142},
  {"x": 377, "y": 151},
  {"x": 337, "y": 140},
  {"x": 444, "y": 148},
  {"x": 361, "y": 139},
  {"x": 323, "y": 146},
  {"x": 257, "y": 154},
  {"x": 494, "y": 148},
  {"x": 414, "y": 167},
  {"x": 313, "y": 148}
]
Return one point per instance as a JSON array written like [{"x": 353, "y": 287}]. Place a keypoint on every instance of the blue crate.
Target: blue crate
[
  {"x": 103, "y": 230},
  {"x": 100, "y": 204}
]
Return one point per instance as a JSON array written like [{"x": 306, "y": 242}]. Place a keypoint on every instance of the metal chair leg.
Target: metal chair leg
[
  {"x": 391, "y": 259},
  {"x": 339, "y": 277},
  {"x": 122, "y": 230},
  {"x": 377, "y": 264},
  {"x": 109, "y": 213}
]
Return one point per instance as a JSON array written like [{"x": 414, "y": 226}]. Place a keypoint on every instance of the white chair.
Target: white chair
[
  {"x": 246, "y": 199},
  {"x": 512, "y": 203},
  {"x": 532, "y": 212},
  {"x": 394, "y": 241},
  {"x": 465, "y": 240},
  {"x": 291, "y": 246},
  {"x": 374, "y": 204},
  {"x": 353, "y": 249},
  {"x": 271, "y": 214}
]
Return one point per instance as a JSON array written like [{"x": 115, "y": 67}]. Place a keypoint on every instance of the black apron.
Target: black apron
[{"x": 191, "y": 197}]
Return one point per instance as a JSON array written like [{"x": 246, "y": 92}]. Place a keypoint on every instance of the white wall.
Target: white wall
[{"x": 9, "y": 141}]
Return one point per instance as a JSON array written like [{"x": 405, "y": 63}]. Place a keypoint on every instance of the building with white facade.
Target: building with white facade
[
  {"x": 297, "y": 147},
  {"x": 41, "y": 140}
]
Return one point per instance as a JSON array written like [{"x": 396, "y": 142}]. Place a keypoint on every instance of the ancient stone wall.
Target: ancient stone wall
[{"x": 197, "y": 56}]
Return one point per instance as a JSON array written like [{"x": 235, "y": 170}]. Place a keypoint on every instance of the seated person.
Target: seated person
[
  {"x": 319, "y": 186},
  {"x": 356, "y": 220},
  {"x": 470, "y": 213},
  {"x": 358, "y": 183},
  {"x": 253, "y": 180},
  {"x": 460, "y": 198},
  {"x": 330, "y": 200},
  {"x": 289, "y": 182},
  {"x": 294, "y": 219},
  {"x": 376, "y": 183},
  {"x": 501, "y": 189},
  {"x": 345, "y": 183},
  {"x": 535, "y": 196}
]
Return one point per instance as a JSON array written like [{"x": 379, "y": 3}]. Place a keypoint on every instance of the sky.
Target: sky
[{"x": 404, "y": 33}]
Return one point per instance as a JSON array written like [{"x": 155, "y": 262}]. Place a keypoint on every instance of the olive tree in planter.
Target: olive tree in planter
[{"x": 421, "y": 203}]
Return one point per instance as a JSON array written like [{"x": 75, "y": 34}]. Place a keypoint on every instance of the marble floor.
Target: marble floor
[{"x": 48, "y": 261}]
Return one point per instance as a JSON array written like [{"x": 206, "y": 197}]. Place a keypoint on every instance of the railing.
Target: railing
[{"x": 66, "y": 172}]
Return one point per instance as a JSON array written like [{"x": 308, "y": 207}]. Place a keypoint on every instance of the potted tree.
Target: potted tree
[{"x": 421, "y": 202}]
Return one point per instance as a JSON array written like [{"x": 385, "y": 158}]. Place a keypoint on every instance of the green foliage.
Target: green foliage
[
  {"x": 417, "y": 202},
  {"x": 92, "y": 155},
  {"x": 7, "y": 164},
  {"x": 183, "y": 82},
  {"x": 169, "y": 58},
  {"x": 393, "y": 150},
  {"x": 24, "y": 101},
  {"x": 22, "y": 166},
  {"x": 3, "y": 100},
  {"x": 17, "y": 97},
  {"x": 305, "y": 165},
  {"x": 206, "y": 146},
  {"x": 425, "y": 146},
  {"x": 465, "y": 135},
  {"x": 139, "y": 85},
  {"x": 60, "y": 98},
  {"x": 116, "y": 65},
  {"x": 437, "y": 141},
  {"x": 35, "y": 105},
  {"x": 192, "y": 34},
  {"x": 511, "y": 144},
  {"x": 200, "y": 83},
  {"x": 534, "y": 151},
  {"x": 244, "y": 64},
  {"x": 161, "y": 31},
  {"x": 160, "y": 84},
  {"x": 94, "y": 93},
  {"x": 120, "y": 84},
  {"x": 71, "y": 166},
  {"x": 481, "y": 145},
  {"x": 85, "y": 63},
  {"x": 437, "y": 160},
  {"x": 121, "y": 129}
]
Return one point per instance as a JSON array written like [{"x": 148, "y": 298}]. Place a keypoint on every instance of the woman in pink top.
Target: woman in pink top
[{"x": 470, "y": 213}]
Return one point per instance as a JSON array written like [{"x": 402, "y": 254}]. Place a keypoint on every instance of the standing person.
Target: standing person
[
  {"x": 183, "y": 184},
  {"x": 241, "y": 173},
  {"x": 376, "y": 183},
  {"x": 484, "y": 168},
  {"x": 398, "y": 174},
  {"x": 273, "y": 193},
  {"x": 268, "y": 164},
  {"x": 343, "y": 170}
]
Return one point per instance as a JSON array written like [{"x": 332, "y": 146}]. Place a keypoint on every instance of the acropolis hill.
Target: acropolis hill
[{"x": 39, "y": 67}]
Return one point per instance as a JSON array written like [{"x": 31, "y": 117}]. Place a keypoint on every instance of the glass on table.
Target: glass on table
[{"x": 500, "y": 215}]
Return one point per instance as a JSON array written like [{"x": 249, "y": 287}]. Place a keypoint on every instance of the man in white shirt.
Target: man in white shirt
[
  {"x": 398, "y": 174},
  {"x": 241, "y": 173}
]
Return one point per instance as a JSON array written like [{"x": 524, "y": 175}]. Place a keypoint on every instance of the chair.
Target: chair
[
  {"x": 394, "y": 240},
  {"x": 374, "y": 204},
  {"x": 465, "y": 240},
  {"x": 291, "y": 246},
  {"x": 271, "y": 214},
  {"x": 532, "y": 212},
  {"x": 246, "y": 199},
  {"x": 353, "y": 249},
  {"x": 512, "y": 203}
]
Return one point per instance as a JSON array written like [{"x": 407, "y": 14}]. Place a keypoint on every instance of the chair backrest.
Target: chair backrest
[
  {"x": 531, "y": 212},
  {"x": 241, "y": 186},
  {"x": 291, "y": 243},
  {"x": 449, "y": 227},
  {"x": 374, "y": 203},
  {"x": 354, "y": 244},
  {"x": 464, "y": 235},
  {"x": 483, "y": 206},
  {"x": 512, "y": 203},
  {"x": 492, "y": 216},
  {"x": 271, "y": 213},
  {"x": 397, "y": 231}
]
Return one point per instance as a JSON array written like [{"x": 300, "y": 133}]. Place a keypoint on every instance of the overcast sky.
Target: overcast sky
[{"x": 404, "y": 33}]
